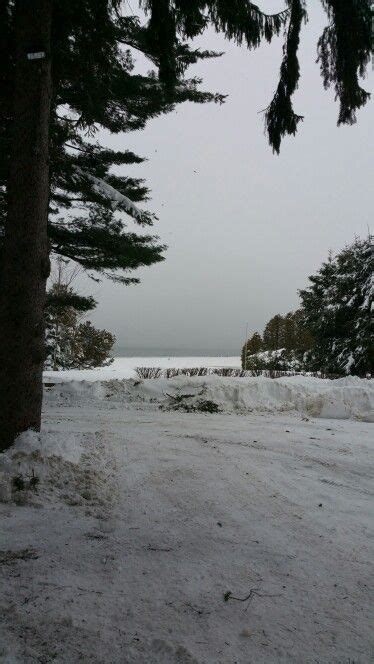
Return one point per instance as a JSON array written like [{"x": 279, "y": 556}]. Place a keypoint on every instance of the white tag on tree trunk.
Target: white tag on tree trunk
[{"x": 39, "y": 55}]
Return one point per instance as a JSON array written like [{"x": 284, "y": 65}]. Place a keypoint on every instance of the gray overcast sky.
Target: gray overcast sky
[{"x": 244, "y": 227}]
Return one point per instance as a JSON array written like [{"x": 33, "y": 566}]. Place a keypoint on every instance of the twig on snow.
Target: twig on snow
[
  {"x": 254, "y": 591},
  {"x": 179, "y": 397}
]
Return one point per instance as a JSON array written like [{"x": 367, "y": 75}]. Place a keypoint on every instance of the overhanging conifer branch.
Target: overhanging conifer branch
[
  {"x": 344, "y": 49},
  {"x": 117, "y": 200},
  {"x": 280, "y": 118}
]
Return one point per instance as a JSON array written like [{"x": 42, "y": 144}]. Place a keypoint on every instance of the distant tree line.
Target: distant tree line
[
  {"x": 284, "y": 341},
  {"x": 332, "y": 331}
]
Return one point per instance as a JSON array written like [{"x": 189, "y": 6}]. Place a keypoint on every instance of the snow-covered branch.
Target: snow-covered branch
[{"x": 118, "y": 200}]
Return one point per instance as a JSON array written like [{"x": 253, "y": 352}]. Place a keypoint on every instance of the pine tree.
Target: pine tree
[
  {"x": 304, "y": 339},
  {"x": 49, "y": 116},
  {"x": 95, "y": 86},
  {"x": 91, "y": 347},
  {"x": 63, "y": 310},
  {"x": 289, "y": 332},
  {"x": 273, "y": 333},
  {"x": 283, "y": 346},
  {"x": 337, "y": 308},
  {"x": 49, "y": 111},
  {"x": 295, "y": 336},
  {"x": 24, "y": 256},
  {"x": 254, "y": 345},
  {"x": 72, "y": 344}
]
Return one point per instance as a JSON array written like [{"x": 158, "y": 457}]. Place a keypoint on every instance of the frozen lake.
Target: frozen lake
[{"x": 124, "y": 367}]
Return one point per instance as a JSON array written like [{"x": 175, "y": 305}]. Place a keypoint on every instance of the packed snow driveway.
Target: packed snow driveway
[{"x": 151, "y": 525}]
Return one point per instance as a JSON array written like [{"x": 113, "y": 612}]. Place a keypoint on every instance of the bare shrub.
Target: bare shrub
[
  {"x": 195, "y": 371},
  {"x": 170, "y": 373},
  {"x": 148, "y": 372},
  {"x": 226, "y": 372}
]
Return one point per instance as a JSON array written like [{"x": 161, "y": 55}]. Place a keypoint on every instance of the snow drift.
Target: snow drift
[
  {"x": 37, "y": 452},
  {"x": 345, "y": 398}
]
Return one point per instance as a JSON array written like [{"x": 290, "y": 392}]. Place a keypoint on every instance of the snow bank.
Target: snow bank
[
  {"x": 31, "y": 452},
  {"x": 345, "y": 398},
  {"x": 66, "y": 446}
]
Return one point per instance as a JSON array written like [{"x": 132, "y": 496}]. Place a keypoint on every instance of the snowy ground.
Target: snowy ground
[
  {"x": 146, "y": 518},
  {"x": 124, "y": 367}
]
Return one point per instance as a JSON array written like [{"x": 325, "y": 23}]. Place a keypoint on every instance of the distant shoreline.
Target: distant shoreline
[{"x": 173, "y": 352}]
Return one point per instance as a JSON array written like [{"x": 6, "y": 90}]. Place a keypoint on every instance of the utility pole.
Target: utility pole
[{"x": 245, "y": 347}]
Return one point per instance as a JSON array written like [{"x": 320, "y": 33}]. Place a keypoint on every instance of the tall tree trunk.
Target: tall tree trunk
[{"x": 25, "y": 264}]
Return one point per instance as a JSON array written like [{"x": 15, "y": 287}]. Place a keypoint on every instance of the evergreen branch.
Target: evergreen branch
[
  {"x": 344, "y": 50},
  {"x": 117, "y": 200},
  {"x": 283, "y": 14},
  {"x": 280, "y": 118},
  {"x": 98, "y": 242},
  {"x": 71, "y": 121},
  {"x": 163, "y": 39},
  {"x": 242, "y": 21},
  {"x": 245, "y": 21},
  {"x": 75, "y": 147},
  {"x": 64, "y": 297},
  {"x": 107, "y": 156},
  {"x": 184, "y": 55}
]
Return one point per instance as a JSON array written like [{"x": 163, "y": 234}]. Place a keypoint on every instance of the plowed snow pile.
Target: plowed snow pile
[{"x": 345, "y": 398}]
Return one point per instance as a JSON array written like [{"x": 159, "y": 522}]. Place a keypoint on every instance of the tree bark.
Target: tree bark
[{"x": 25, "y": 260}]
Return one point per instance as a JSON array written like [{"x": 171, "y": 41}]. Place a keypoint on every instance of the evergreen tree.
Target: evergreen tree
[
  {"x": 283, "y": 346},
  {"x": 289, "y": 332},
  {"x": 49, "y": 111},
  {"x": 253, "y": 345},
  {"x": 95, "y": 86},
  {"x": 295, "y": 336},
  {"x": 72, "y": 344},
  {"x": 337, "y": 308},
  {"x": 91, "y": 347},
  {"x": 63, "y": 309},
  {"x": 24, "y": 254},
  {"x": 273, "y": 333},
  {"x": 48, "y": 118}
]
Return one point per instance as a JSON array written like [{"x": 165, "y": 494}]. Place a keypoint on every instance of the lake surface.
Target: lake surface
[{"x": 170, "y": 351}]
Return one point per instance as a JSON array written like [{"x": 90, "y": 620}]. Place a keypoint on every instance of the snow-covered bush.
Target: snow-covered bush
[
  {"x": 276, "y": 360},
  {"x": 71, "y": 344}
]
